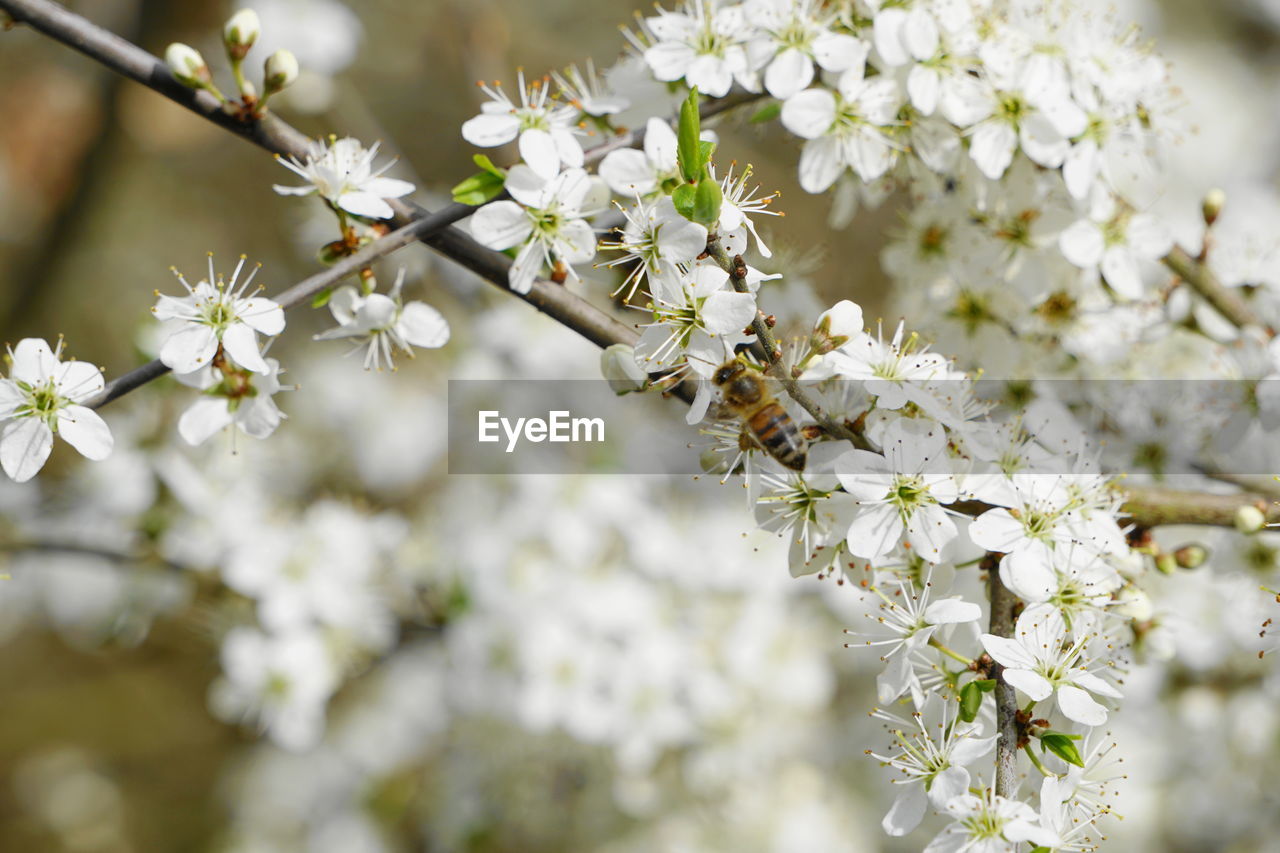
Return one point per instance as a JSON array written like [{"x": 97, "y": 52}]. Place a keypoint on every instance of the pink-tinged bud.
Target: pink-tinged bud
[
  {"x": 240, "y": 32},
  {"x": 187, "y": 65},
  {"x": 1249, "y": 519},
  {"x": 837, "y": 326},
  {"x": 618, "y": 364},
  {"x": 280, "y": 70}
]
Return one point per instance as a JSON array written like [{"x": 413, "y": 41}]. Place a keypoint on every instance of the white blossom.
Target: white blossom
[
  {"x": 380, "y": 323},
  {"x": 546, "y": 130},
  {"x": 41, "y": 397},
  {"x": 1040, "y": 661},
  {"x": 342, "y": 173},
  {"x": 545, "y": 221},
  {"x": 217, "y": 315}
]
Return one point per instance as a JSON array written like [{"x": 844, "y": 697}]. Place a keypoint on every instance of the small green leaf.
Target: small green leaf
[
  {"x": 683, "y": 198},
  {"x": 688, "y": 149},
  {"x": 321, "y": 299},
  {"x": 485, "y": 163},
  {"x": 1041, "y": 850},
  {"x": 706, "y": 202},
  {"x": 970, "y": 701},
  {"x": 1063, "y": 746},
  {"x": 705, "y": 149},
  {"x": 478, "y": 189},
  {"x": 986, "y": 685},
  {"x": 767, "y": 113}
]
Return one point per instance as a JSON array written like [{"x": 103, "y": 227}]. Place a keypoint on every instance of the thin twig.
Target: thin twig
[
  {"x": 299, "y": 294},
  {"x": 1197, "y": 275},
  {"x": 773, "y": 353},
  {"x": 275, "y": 135},
  {"x": 434, "y": 229}
]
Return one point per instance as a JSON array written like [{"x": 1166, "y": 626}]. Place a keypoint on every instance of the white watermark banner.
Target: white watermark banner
[{"x": 1174, "y": 430}]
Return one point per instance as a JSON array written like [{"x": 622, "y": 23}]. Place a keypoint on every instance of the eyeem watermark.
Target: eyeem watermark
[{"x": 558, "y": 426}]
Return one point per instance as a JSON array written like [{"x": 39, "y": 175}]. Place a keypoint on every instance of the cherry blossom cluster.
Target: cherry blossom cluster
[
  {"x": 1010, "y": 125},
  {"x": 1025, "y": 136}
]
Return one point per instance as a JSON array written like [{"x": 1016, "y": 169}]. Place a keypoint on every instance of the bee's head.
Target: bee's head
[{"x": 726, "y": 372}]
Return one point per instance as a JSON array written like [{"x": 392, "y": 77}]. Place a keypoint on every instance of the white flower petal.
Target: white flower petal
[
  {"x": 790, "y": 72},
  {"x": 500, "y": 225},
  {"x": 189, "y": 348},
  {"x": 203, "y": 418},
  {"x": 490, "y": 131},
  {"x": 539, "y": 151},
  {"x": 262, "y": 315},
  {"x": 1007, "y": 652},
  {"x": 24, "y": 446},
  {"x": 364, "y": 204},
  {"x": 627, "y": 172},
  {"x": 907, "y": 810},
  {"x": 423, "y": 326},
  {"x": 241, "y": 343},
  {"x": 86, "y": 431},
  {"x": 1031, "y": 683},
  {"x": 78, "y": 380},
  {"x": 1078, "y": 705},
  {"x": 1082, "y": 243},
  {"x": 33, "y": 361},
  {"x": 820, "y": 164},
  {"x": 810, "y": 113},
  {"x": 950, "y": 611}
]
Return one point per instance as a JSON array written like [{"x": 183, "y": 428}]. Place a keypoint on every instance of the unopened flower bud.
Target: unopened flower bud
[
  {"x": 618, "y": 364},
  {"x": 837, "y": 326},
  {"x": 1249, "y": 519},
  {"x": 280, "y": 70},
  {"x": 187, "y": 65},
  {"x": 1166, "y": 563},
  {"x": 240, "y": 32},
  {"x": 1211, "y": 206},
  {"x": 1191, "y": 556}
]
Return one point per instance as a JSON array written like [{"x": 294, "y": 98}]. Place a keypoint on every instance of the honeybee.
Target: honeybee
[{"x": 747, "y": 395}]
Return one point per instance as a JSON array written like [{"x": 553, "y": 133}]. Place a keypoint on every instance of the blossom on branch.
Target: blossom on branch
[
  {"x": 214, "y": 316},
  {"x": 41, "y": 397},
  {"x": 547, "y": 131},
  {"x": 380, "y": 323},
  {"x": 341, "y": 171},
  {"x": 546, "y": 221}
]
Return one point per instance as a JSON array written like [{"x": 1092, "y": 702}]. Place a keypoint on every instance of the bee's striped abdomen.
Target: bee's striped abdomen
[{"x": 779, "y": 435}]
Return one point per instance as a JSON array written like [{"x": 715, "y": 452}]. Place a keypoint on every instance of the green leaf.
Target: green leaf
[
  {"x": 1063, "y": 746},
  {"x": 321, "y": 299},
  {"x": 1041, "y": 850},
  {"x": 705, "y": 149},
  {"x": 478, "y": 189},
  {"x": 688, "y": 149},
  {"x": 970, "y": 701},
  {"x": 485, "y": 163},
  {"x": 767, "y": 113},
  {"x": 683, "y": 198},
  {"x": 986, "y": 685},
  {"x": 706, "y": 202}
]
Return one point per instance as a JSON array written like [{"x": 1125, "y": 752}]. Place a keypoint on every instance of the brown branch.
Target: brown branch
[
  {"x": 1153, "y": 506},
  {"x": 275, "y": 135},
  {"x": 1224, "y": 300}
]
